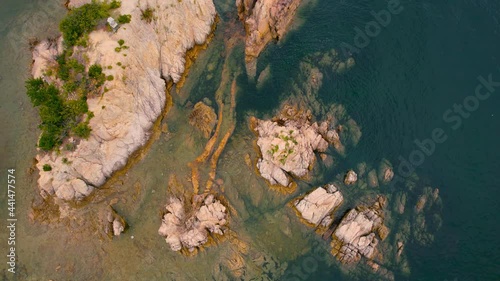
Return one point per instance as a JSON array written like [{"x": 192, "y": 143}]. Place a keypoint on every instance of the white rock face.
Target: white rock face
[
  {"x": 355, "y": 236},
  {"x": 136, "y": 97},
  {"x": 287, "y": 149},
  {"x": 118, "y": 227},
  {"x": 183, "y": 231},
  {"x": 319, "y": 204}
]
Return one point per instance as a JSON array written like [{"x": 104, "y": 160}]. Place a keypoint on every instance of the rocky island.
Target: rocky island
[{"x": 288, "y": 144}]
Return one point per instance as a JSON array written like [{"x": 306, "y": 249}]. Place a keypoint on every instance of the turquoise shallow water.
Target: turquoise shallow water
[{"x": 427, "y": 59}]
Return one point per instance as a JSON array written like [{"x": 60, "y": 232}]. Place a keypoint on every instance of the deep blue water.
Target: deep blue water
[{"x": 426, "y": 60}]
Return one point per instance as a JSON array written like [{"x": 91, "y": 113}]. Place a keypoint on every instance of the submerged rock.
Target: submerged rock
[
  {"x": 203, "y": 118},
  {"x": 317, "y": 206},
  {"x": 356, "y": 235},
  {"x": 372, "y": 178},
  {"x": 264, "y": 21},
  {"x": 386, "y": 172},
  {"x": 190, "y": 230},
  {"x": 135, "y": 98}
]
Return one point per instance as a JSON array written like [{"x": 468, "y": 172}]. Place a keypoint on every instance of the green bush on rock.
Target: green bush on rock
[
  {"x": 122, "y": 19},
  {"x": 47, "y": 167}
]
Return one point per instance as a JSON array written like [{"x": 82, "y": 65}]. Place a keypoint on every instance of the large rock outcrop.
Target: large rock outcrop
[
  {"x": 264, "y": 21},
  {"x": 135, "y": 98},
  {"x": 317, "y": 207},
  {"x": 189, "y": 230},
  {"x": 356, "y": 235},
  {"x": 288, "y": 144}
]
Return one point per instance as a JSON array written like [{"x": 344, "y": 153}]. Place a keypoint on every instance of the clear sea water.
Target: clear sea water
[{"x": 426, "y": 60}]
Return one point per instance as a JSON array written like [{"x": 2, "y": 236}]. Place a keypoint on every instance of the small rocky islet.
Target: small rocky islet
[{"x": 360, "y": 217}]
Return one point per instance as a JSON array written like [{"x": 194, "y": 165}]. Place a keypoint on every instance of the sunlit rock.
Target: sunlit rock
[
  {"x": 317, "y": 206},
  {"x": 187, "y": 229},
  {"x": 350, "y": 178},
  {"x": 356, "y": 235}
]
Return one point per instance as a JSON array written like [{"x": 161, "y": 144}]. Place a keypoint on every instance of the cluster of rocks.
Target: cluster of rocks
[
  {"x": 190, "y": 229},
  {"x": 264, "y": 21},
  {"x": 364, "y": 175},
  {"x": 113, "y": 223},
  {"x": 317, "y": 207},
  {"x": 288, "y": 146},
  {"x": 357, "y": 233},
  {"x": 135, "y": 98}
]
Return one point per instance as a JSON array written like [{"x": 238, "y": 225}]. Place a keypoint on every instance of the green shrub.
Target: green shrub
[
  {"x": 115, "y": 4},
  {"x": 47, "y": 141},
  {"x": 56, "y": 115},
  {"x": 110, "y": 78},
  {"x": 95, "y": 71},
  {"x": 82, "y": 130},
  {"x": 75, "y": 108},
  {"x": 70, "y": 146},
  {"x": 90, "y": 115},
  {"x": 147, "y": 15},
  {"x": 83, "y": 41},
  {"x": 82, "y": 20},
  {"x": 70, "y": 86},
  {"x": 121, "y": 42},
  {"x": 122, "y": 19},
  {"x": 35, "y": 91},
  {"x": 47, "y": 168},
  {"x": 118, "y": 49}
]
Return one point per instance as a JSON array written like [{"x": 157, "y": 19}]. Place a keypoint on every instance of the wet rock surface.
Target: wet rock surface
[{"x": 203, "y": 118}]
